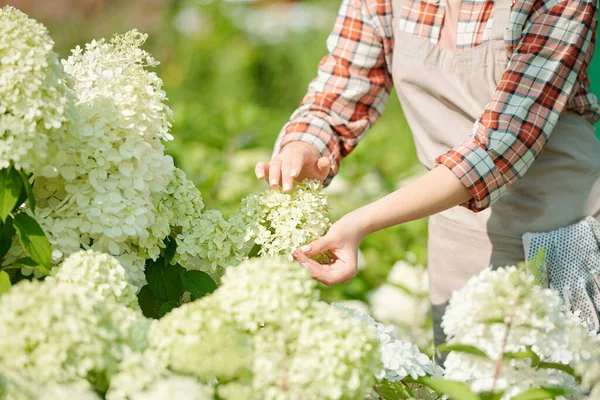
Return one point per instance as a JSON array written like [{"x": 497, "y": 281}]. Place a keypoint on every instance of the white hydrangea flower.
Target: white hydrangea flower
[
  {"x": 178, "y": 387},
  {"x": 199, "y": 339},
  {"x": 60, "y": 332},
  {"x": 97, "y": 188},
  {"x": 142, "y": 377},
  {"x": 264, "y": 291},
  {"x": 34, "y": 99},
  {"x": 281, "y": 222},
  {"x": 400, "y": 358},
  {"x": 537, "y": 320},
  {"x": 100, "y": 273},
  {"x": 403, "y": 302},
  {"x": 325, "y": 355},
  {"x": 19, "y": 386}
]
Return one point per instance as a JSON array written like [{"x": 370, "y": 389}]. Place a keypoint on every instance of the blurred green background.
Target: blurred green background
[{"x": 234, "y": 71}]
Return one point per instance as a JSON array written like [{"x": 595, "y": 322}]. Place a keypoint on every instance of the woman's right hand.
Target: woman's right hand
[{"x": 296, "y": 160}]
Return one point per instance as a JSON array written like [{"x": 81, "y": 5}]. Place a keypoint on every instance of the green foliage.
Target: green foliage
[
  {"x": 164, "y": 280},
  {"x": 11, "y": 186},
  {"x": 541, "y": 393},
  {"x": 394, "y": 390},
  {"x": 28, "y": 190},
  {"x": 462, "y": 348},
  {"x": 455, "y": 390},
  {"x": 33, "y": 239},
  {"x": 166, "y": 307},
  {"x": 4, "y": 282},
  {"x": 198, "y": 283},
  {"x": 7, "y": 231},
  {"x": 149, "y": 304}
]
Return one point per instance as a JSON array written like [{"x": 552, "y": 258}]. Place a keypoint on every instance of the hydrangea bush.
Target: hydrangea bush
[{"x": 141, "y": 293}]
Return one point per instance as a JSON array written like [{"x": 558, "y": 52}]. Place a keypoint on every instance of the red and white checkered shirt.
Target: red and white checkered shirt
[{"x": 549, "y": 43}]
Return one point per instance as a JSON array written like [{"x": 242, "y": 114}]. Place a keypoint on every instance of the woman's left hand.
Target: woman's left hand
[{"x": 342, "y": 241}]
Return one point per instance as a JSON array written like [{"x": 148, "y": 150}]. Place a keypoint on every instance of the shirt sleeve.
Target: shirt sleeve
[
  {"x": 547, "y": 65},
  {"x": 351, "y": 89}
]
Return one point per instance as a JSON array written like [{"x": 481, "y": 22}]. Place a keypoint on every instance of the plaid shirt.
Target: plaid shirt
[{"x": 549, "y": 43}]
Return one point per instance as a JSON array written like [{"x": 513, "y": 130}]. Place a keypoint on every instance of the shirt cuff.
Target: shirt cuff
[
  {"x": 323, "y": 141},
  {"x": 472, "y": 165}
]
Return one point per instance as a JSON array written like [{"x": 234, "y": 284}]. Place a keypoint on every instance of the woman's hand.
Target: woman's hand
[
  {"x": 296, "y": 160},
  {"x": 342, "y": 241}
]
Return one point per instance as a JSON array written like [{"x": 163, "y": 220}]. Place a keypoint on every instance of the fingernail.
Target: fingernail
[
  {"x": 294, "y": 172},
  {"x": 274, "y": 182},
  {"x": 306, "y": 248},
  {"x": 260, "y": 175},
  {"x": 287, "y": 186}
]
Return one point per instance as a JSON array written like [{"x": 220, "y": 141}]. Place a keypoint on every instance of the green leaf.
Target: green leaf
[
  {"x": 562, "y": 367},
  {"x": 33, "y": 239},
  {"x": 27, "y": 262},
  {"x": 542, "y": 393},
  {"x": 168, "y": 306},
  {"x": 170, "y": 248},
  {"x": 491, "y": 395},
  {"x": 254, "y": 251},
  {"x": 198, "y": 283},
  {"x": 28, "y": 190},
  {"x": 456, "y": 390},
  {"x": 462, "y": 348},
  {"x": 7, "y": 231},
  {"x": 4, "y": 282},
  {"x": 393, "y": 390},
  {"x": 11, "y": 186},
  {"x": 149, "y": 304},
  {"x": 528, "y": 354},
  {"x": 164, "y": 280}
]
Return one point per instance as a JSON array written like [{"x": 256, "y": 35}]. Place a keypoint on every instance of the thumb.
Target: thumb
[
  {"x": 323, "y": 164},
  {"x": 316, "y": 247}
]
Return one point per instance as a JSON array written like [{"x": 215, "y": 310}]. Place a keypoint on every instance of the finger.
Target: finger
[
  {"x": 324, "y": 165},
  {"x": 296, "y": 164},
  {"x": 261, "y": 170},
  {"x": 314, "y": 267},
  {"x": 286, "y": 179},
  {"x": 342, "y": 272},
  {"x": 274, "y": 172},
  {"x": 316, "y": 247}
]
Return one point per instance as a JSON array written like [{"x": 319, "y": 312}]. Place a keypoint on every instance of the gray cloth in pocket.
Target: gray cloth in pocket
[{"x": 567, "y": 259}]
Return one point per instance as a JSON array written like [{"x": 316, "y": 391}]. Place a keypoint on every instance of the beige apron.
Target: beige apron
[{"x": 442, "y": 93}]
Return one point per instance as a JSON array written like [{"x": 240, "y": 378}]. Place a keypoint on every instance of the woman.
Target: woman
[{"x": 496, "y": 95}]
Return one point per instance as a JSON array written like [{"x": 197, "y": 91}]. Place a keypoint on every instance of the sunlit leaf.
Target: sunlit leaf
[
  {"x": 11, "y": 186},
  {"x": 4, "y": 282},
  {"x": 456, "y": 390},
  {"x": 33, "y": 239}
]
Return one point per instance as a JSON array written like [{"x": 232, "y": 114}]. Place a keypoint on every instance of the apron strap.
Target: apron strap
[{"x": 501, "y": 18}]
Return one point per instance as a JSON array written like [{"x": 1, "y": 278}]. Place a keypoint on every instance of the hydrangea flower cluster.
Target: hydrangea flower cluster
[
  {"x": 264, "y": 334},
  {"x": 142, "y": 377},
  {"x": 19, "y": 386},
  {"x": 97, "y": 187},
  {"x": 108, "y": 184},
  {"x": 200, "y": 339},
  {"x": 326, "y": 355},
  {"x": 281, "y": 222},
  {"x": 400, "y": 358},
  {"x": 34, "y": 100},
  {"x": 403, "y": 302},
  {"x": 61, "y": 332},
  {"x": 99, "y": 273},
  {"x": 505, "y": 310},
  {"x": 262, "y": 292}
]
